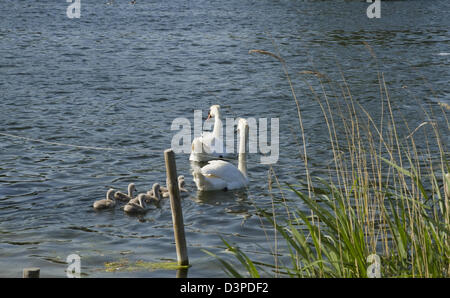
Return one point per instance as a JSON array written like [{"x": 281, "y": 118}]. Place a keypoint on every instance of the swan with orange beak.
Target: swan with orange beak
[{"x": 209, "y": 145}]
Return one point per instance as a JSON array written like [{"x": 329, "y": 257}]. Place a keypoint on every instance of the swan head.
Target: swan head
[
  {"x": 242, "y": 125},
  {"x": 131, "y": 189},
  {"x": 214, "y": 111},
  {"x": 156, "y": 191},
  {"x": 181, "y": 182},
  {"x": 110, "y": 194},
  {"x": 243, "y": 130}
]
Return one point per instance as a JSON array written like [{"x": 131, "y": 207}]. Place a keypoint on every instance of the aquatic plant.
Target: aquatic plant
[{"x": 384, "y": 196}]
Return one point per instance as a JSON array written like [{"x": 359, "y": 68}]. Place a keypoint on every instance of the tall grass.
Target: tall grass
[{"x": 385, "y": 198}]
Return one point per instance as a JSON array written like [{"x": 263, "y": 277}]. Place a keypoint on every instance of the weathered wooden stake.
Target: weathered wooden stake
[
  {"x": 182, "y": 272},
  {"x": 31, "y": 272},
  {"x": 175, "y": 204}
]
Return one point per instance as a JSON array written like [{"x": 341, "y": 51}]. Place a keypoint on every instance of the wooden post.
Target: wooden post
[
  {"x": 175, "y": 204},
  {"x": 31, "y": 272},
  {"x": 182, "y": 273}
]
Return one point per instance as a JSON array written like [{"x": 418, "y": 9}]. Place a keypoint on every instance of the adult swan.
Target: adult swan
[
  {"x": 222, "y": 175},
  {"x": 209, "y": 145}
]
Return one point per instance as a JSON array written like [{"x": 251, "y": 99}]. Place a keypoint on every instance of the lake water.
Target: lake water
[{"x": 119, "y": 75}]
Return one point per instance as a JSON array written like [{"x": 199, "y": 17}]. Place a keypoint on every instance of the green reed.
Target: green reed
[{"x": 385, "y": 196}]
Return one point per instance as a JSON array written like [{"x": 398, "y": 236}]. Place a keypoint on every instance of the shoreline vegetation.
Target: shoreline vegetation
[{"x": 385, "y": 204}]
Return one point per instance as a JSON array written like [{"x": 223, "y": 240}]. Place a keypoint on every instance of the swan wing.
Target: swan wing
[
  {"x": 104, "y": 204},
  {"x": 199, "y": 151},
  {"x": 207, "y": 143},
  {"x": 212, "y": 143},
  {"x": 121, "y": 196},
  {"x": 219, "y": 175},
  {"x": 218, "y": 168},
  {"x": 225, "y": 171},
  {"x": 211, "y": 183}
]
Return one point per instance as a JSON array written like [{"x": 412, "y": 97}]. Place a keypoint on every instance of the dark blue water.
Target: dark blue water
[{"x": 117, "y": 77}]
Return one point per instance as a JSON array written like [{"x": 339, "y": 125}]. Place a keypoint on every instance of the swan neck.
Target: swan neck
[
  {"x": 242, "y": 161},
  {"x": 110, "y": 196},
  {"x": 243, "y": 139},
  {"x": 217, "y": 125},
  {"x": 242, "y": 164},
  {"x": 130, "y": 191},
  {"x": 157, "y": 195}
]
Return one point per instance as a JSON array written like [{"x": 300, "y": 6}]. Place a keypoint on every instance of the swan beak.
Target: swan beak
[{"x": 209, "y": 116}]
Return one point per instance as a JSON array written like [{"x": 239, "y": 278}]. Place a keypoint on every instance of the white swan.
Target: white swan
[
  {"x": 107, "y": 203},
  {"x": 136, "y": 205},
  {"x": 120, "y": 196},
  {"x": 209, "y": 145},
  {"x": 222, "y": 175}
]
